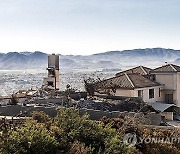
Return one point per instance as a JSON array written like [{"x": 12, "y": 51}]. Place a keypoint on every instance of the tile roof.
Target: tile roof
[
  {"x": 139, "y": 69},
  {"x": 167, "y": 68},
  {"x": 126, "y": 81}
]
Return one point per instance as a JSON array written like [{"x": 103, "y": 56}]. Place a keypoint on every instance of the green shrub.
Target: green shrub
[
  {"x": 30, "y": 138},
  {"x": 80, "y": 148}
]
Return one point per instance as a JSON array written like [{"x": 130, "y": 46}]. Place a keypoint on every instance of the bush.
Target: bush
[
  {"x": 42, "y": 117},
  {"x": 30, "y": 138},
  {"x": 80, "y": 148},
  {"x": 82, "y": 129},
  {"x": 159, "y": 148},
  {"x": 115, "y": 145}
]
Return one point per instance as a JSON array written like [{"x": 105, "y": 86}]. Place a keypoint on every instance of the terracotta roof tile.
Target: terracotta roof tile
[
  {"x": 141, "y": 82},
  {"x": 167, "y": 68},
  {"x": 127, "y": 81},
  {"x": 140, "y": 69}
]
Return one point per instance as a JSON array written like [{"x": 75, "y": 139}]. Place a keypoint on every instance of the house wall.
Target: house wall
[
  {"x": 123, "y": 92},
  {"x": 146, "y": 94},
  {"x": 134, "y": 93},
  {"x": 170, "y": 81},
  {"x": 177, "y": 92}
]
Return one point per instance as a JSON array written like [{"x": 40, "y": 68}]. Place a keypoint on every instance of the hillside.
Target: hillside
[{"x": 151, "y": 57}]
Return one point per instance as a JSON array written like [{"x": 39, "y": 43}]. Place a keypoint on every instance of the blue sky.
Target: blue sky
[{"x": 86, "y": 27}]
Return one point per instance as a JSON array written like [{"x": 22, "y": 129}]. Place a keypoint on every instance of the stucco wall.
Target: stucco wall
[
  {"x": 177, "y": 92},
  {"x": 134, "y": 93},
  {"x": 168, "y": 79},
  {"x": 122, "y": 92},
  {"x": 146, "y": 94}
]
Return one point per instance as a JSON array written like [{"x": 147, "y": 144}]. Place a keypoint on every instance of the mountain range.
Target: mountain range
[{"x": 150, "y": 57}]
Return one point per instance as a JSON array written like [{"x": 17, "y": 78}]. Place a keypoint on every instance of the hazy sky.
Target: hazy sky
[{"x": 88, "y": 26}]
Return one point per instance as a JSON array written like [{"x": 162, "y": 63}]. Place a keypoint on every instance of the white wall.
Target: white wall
[
  {"x": 168, "y": 79},
  {"x": 134, "y": 93},
  {"x": 177, "y": 92},
  {"x": 124, "y": 92},
  {"x": 171, "y": 81},
  {"x": 146, "y": 94}
]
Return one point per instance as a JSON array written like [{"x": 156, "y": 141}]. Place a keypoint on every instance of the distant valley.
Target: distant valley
[
  {"x": 150, "y": 57},
  {"x": 26, "y": 70}
]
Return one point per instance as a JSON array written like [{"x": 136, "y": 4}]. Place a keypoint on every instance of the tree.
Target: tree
[
  {"x": 82, "y": 129},
  {"x": 31, "y": 138},
  {"x": 13, "y": 100},
  {"x": 89, "y": 85}
]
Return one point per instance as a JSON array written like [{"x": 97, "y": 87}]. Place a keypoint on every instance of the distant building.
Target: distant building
[
  {"x": 152, "y": 85},
  {"x": 52, "y": 81}
]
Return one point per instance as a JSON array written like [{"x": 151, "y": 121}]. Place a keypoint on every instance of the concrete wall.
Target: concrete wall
[
  {"x": 149, "y": 119},
  {"x": 49, "y": 79},
  {"x": 53, "y": 100},
  {"x": 98, "y": 114},
  {"x": 152, "y": 118},
  {"x": 53, "y": 61},
  {"x": 57, "y": 79},
  {"x": 17, "y": 109}
]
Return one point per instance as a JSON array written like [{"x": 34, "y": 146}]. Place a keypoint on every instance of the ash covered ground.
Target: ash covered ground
[{"x": 15, "y": 80}]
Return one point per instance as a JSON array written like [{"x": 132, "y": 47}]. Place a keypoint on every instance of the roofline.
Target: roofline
[
  {"x": 142, "y": 67},
  {"x": 173, "y": 67},
  {"x": 164, "y": 72},
  {"x": 148, "y": 87},
  {"x": 115, "y": 77},
  {"x": 129, "y": 80},
  {"x": 124, "y": 88},
  {"x": 109, "y": 78},
  {"x": 135, "y": 88}
]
